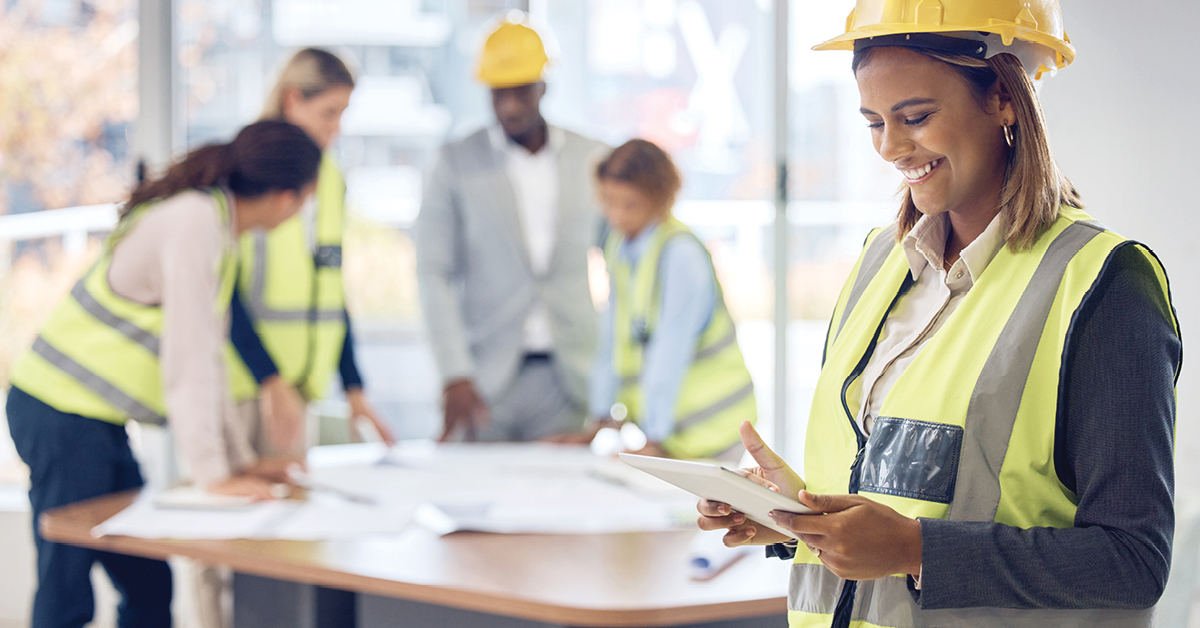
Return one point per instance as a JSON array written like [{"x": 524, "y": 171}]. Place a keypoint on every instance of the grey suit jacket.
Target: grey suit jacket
[{"x": 476, "y": 284}]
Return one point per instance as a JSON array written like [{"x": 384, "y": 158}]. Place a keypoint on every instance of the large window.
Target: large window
[
  {"x": 696, "y": 76},
  {"x": 839, "y": 188},
  {"x": 68, "y": 99}
]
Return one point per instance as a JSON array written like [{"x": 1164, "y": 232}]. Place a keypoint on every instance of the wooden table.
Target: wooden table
[{"x": 416, "y": 578}]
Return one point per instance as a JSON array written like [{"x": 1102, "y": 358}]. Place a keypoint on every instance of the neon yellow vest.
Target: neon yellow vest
[
  {"x": 294, "y": 295},
  {"x": 97, "y": 355},
  {"x": 716, "y": 394},
  {"x": 1007, "y": 336}
]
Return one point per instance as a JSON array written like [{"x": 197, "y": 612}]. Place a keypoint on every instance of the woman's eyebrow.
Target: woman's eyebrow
[{"x": 900, "y": 105}]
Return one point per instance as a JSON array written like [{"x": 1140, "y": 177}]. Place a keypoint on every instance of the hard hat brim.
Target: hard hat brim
[{"x": 1064, "y": 51}]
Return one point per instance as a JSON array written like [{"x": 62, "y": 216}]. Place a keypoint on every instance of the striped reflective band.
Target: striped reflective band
[
  {"x": 134, "y": 408},
  {"x": 716, "y": 408},
  {"x": 104, "y": 315},
  {"x": 258, "y": 298},
  {"x": 873, "y": 259},
  {"x": 814, "y": 589},
  {"x": 997, "y": 395},
  {"x": 718, "y": 346}
]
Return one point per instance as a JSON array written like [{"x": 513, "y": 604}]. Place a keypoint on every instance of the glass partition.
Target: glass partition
[{"x": 839, "y": 189}]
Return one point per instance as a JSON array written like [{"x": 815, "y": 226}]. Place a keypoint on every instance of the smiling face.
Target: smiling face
[
  {"x": 320, "y": 115},
  {"x": 945, "y": 140}
]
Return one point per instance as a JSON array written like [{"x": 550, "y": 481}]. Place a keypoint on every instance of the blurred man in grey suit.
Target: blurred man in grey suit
[{"x": 502, "y": 237}]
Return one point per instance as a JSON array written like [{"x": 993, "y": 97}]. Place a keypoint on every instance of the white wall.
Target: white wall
[{"x": 1124, "y": 123}]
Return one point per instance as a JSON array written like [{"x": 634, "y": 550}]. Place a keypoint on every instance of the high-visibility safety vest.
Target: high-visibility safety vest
[
  {"x": 97, "y": 355},
  {"x": 716, "y": 394},
  {"x": 967, "y": 432},
  {"x": 293, "y": 293}
]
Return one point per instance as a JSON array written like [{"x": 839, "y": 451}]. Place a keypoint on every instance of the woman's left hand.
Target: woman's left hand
[
  {"x": 360, "y": 410},
  {"x": 856, "y": 538}
]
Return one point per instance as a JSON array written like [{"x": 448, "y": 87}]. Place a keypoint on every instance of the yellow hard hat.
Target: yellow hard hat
[
  {"x": 1030, "y": 29},
  {"x": 512, "y": 55}
]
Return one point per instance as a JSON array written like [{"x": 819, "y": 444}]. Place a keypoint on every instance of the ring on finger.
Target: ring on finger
[{"x": 815, "y": 550}]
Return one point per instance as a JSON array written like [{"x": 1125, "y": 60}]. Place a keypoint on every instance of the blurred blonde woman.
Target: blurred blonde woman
[{"x": 291, "y": 330}]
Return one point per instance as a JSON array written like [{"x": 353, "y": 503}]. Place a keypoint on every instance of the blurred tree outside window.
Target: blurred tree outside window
[{"x": 68, "y": 99}]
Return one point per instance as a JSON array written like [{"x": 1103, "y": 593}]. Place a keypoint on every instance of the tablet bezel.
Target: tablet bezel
[{"x": 717, "y": 483}]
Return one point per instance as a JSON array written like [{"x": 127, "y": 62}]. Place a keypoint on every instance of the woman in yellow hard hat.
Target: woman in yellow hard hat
[{"x": 991, "y": 436}]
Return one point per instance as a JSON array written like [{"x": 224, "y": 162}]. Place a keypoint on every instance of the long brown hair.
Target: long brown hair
[
  {"x": 266, "y": 156},
  {"x": 1034, "y": 186},
  {"x": 312, "y": 71},
  {"x": 646, "y": 167}
]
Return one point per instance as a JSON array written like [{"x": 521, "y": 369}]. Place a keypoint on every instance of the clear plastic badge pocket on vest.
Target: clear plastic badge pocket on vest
[{"x": 914, "y": 459}]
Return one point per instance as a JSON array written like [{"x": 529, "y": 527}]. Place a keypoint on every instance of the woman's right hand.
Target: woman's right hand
[
  {"x": 283, "y": 413},
  {"x": 243, "y": 486},
  {"x": 771, "y": 472}
]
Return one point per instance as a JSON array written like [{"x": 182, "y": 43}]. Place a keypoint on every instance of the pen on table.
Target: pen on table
[{"x": 297, "y": 476}]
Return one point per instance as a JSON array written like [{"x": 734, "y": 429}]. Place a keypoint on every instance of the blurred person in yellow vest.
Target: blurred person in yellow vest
[
  {"x": 668, "y": 358},
  {"x": 140, "y": 338},
  {"x": 505, "y": 224},
  {"x": 991, "y": 439},
  {"x": 291, "y": 331}
]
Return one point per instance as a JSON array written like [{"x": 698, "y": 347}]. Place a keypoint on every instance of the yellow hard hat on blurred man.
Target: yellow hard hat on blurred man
[
  {"x": 1032, "y": 30},
  {"x": 513, "y": 54}
]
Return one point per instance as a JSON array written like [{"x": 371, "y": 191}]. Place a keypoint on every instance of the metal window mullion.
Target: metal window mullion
[
  {"x": 781, "y": 224},
  {"x": 155, "y": 128}
]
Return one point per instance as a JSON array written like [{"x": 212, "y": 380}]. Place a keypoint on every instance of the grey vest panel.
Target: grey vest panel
[{"x": 873, "y": 259}]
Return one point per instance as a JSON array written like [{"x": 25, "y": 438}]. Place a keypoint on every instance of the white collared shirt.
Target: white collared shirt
[
  {"x": 535, "y": 183},
  {"x": 918, "y": 315}
]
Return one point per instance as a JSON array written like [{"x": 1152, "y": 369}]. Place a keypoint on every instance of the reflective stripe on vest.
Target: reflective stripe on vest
[
  {"x": 1018, "y": 318},
  {"x": 97, "y": 356},
  {"x": 887, "y": 602},
  {"x": 293, "y": 292},
  {"x": 716, "y": 394}
]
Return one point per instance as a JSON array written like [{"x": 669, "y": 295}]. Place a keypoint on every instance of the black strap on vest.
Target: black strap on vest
[{"x": 845, "y": 605}]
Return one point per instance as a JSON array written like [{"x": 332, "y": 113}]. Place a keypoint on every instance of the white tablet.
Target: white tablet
[{"x": 716, "y": 483}]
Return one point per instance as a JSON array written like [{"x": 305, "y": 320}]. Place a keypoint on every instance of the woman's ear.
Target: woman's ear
[
  {"x": 289, "y": 99},
  {"x": 1003, "y": 103}
]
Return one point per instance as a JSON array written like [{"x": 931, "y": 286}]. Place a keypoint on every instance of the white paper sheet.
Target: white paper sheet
[
  {"x": 505, "y": 488},
  {"x": 143, "y": 519}
]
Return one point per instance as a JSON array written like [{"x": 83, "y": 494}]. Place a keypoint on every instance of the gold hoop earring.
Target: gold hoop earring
[{"x": 1008, "y": 135}]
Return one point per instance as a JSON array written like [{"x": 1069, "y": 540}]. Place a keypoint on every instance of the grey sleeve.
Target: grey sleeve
[
  {"x": 1113, "y": 448},
  {"x": 438, "y": 249}
]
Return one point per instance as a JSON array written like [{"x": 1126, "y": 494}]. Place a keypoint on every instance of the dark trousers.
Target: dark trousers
[{"x": 72, "y": 458}]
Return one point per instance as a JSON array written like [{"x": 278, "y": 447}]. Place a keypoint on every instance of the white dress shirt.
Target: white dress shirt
[
  {"x": 918, "y": 315},
  {"x": 535, "y": 182}
]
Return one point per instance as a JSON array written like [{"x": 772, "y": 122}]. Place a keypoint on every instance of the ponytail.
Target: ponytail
[{"x": 266, "y": 156}]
